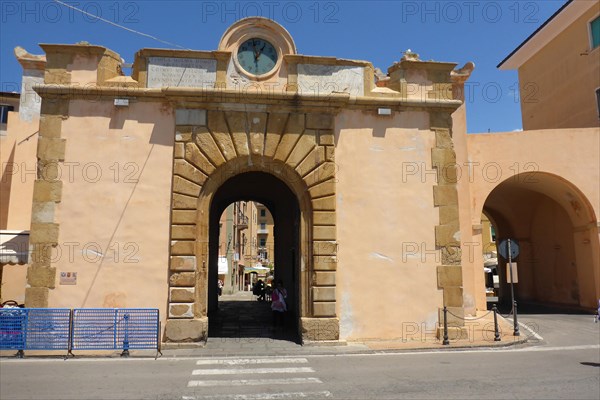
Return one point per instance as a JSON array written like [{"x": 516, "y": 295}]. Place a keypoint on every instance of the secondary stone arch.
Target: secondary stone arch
[
  {"x": 558, "y": 233},
  {"x": 296, "y": 148}
]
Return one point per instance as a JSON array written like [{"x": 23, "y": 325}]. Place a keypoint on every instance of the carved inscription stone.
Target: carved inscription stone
[
  {"x": 181, "y": 72},
  {"x": 325, "y": 79}
]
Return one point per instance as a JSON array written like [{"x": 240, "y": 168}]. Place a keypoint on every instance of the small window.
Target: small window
[
  {"x": 263, "y": 213},
  {"x": 598, "y": 101},
  {"x": 263, "y": 242},
  {"x": 4, "y": 110},
  {"x": 263, "y": 225},
  {"x": 595, "y": 32}
]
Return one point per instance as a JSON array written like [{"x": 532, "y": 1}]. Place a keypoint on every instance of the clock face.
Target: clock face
[{"x": 257, "y": 56}]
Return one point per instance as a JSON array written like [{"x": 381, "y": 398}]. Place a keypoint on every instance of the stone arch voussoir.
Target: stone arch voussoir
[{"x": 213, "y": 146}]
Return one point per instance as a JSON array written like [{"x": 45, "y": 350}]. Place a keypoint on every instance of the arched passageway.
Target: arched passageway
[
  {"x": 557, "y": 231},
  {"x": 270, "y": 191},
  {"x": 285, "y": 163}
]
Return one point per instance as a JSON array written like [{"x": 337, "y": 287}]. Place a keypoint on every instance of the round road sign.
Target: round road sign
[{"x": 503, "y": 248}]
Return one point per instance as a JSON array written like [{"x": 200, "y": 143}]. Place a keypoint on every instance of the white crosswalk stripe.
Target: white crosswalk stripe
[
  {"x": 235, "y": 371},
  {"x": 246, "y": 361},
  {"x": 264, "y": 396},
  {"x": 243, "y": 368},
  {"x": 254, "y": 382}
]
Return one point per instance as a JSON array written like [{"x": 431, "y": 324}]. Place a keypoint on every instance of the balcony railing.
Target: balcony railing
[{"x": 242, "y": 221}]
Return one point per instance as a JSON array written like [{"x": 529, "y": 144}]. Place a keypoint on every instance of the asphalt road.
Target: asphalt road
[{"x": 564, "y": 365}]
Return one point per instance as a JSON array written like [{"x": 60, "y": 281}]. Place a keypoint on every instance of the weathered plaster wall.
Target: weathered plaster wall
[
  {"x": 386, "y": 219},
  {"x": 30, "y": 102},
  {"x": 114, "y": 213}
]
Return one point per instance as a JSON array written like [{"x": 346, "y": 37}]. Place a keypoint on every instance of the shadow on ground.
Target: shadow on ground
[
  {"x": 241, "y": 316},
  {"x": 526, "y": 308}
]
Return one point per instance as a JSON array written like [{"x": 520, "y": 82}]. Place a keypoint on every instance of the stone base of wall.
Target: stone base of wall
[
  {"x": 186, "y": 330},
  {"x": 454, "y": 333},
  {"x": 319, "y": 329}
]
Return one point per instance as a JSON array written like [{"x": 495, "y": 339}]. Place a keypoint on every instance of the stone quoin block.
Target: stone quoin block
[
  {"x": 181, "y": 310},
  {"x": 183, "y": 217},
  {"x": 449, "y": 275},
  {"x": 36, "y": 297},
  {"x": 324, "y": 309},
  {"x": 182, "y": 295},
  {"x": 183, "y": 263},
  {"x": 186, "y": 330},
  {"x": 41, "y": 277},
  {"x": 324, "y": 278},
  {"x": 183, "y": 279},
  {"x": 183, "y": 247}
]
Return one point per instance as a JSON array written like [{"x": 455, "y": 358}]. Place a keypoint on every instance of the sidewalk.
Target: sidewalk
[
  {"x": 247, "y": 332},
  {"x": 242, "y": 327}
]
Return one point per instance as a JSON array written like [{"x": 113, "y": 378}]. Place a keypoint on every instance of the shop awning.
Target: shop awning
[
  {"x": 223, "y": 266},
  {"x": 257, "y": 268},
  {"x": 14, "y": 247},
  {"x": 490, "y": 262}
]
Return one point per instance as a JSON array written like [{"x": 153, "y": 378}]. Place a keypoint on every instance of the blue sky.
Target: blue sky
[{"x": 377, "y": 31}]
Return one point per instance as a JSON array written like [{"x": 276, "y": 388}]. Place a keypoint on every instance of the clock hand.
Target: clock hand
[{"x": 256, "y": 54}]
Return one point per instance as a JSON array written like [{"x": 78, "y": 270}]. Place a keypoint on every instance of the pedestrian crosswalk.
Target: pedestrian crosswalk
[{"x": 246, "y": 379}]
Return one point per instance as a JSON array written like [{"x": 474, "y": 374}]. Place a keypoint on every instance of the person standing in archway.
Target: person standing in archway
[{"x": 278, "y": 305}]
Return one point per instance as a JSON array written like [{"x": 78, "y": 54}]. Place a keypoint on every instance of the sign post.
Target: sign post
[{"x": 508, "y": 249}]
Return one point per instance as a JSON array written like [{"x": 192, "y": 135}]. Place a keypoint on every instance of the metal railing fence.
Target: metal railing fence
[{"x": 79, "y": 329}]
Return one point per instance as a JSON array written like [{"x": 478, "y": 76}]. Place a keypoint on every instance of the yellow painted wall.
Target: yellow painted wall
[
  {"x": 558, "y": 83},
  {"x": 561, "y": 165},
  {"x": 571, "y": 154},
  {"x": 386, "y": 258},
  {"x": 19, "y": 169},
  {"x": 115, "y": 210}
]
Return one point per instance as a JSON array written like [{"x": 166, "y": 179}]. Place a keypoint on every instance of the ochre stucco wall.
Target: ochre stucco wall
[
  {"x": 17, "y": 156},
  {"x": 18, "y": 162},
  {"x": 124, "y": 213},
  {"x": 472, "y": 251},
  {"x": 385, "y": 221},
  {"x": 549, "y": 196},
  {"x": 498, "y": 156},
  {"x": 558, "y": 83}
]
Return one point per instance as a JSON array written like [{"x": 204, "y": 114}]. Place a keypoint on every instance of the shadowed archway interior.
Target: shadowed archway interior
[
  {"x": 268, "y": 190},
  {"x": 558, "y": 239}
]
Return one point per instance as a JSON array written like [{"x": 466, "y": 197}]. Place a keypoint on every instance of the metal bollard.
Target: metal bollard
[
  {"x": 496, "y": 332},
  {"x": 445, "y": 341},
  {"x": 515, "y": 323}
]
